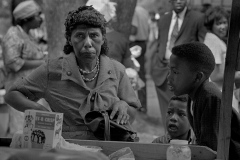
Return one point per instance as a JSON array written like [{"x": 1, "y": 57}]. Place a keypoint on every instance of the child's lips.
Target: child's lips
[
  {"x": 172, "y": 128},
  {"x": 170, "y": 87}
]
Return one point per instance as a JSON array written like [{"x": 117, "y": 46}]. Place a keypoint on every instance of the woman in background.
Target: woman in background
[
  {"x": 216, "y": 21},
  {"x": 21, "y": 55}
]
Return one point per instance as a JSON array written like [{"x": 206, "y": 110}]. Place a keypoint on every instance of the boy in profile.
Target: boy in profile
[
  {"x": 190, "y": 66},
  {"x": 177, "y": 123}
]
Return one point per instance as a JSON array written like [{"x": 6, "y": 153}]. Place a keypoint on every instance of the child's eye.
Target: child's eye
[
  {"x": 182, "y": 114},
  {"x": 175, "y": 72},
  {"x": 169, "y": 112}
]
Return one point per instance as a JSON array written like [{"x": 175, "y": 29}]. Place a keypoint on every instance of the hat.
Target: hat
[
  {"x": 26, "y": 9},
  {"x": 105, "y": 7}
]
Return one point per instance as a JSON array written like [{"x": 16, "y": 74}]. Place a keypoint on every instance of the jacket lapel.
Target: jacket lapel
[
  {"x": 185, "y": 22},
  {"x": 167, "y": 26}
]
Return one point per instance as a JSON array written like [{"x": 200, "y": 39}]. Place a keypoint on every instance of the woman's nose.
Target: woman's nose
[
  {"x": 223, "y": 26},
  {"x": 87, "y": 42}
]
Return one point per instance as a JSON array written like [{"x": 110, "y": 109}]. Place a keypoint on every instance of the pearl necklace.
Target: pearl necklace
[
  {"x": 88, "y": 72},
  {"x": 91, "y": 79}
]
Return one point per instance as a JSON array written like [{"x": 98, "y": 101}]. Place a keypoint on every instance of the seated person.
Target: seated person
[
  {"x": 82, "y": 80},
  {"x": 177, "y": 123},
  {"x": 191, "y": 65}
]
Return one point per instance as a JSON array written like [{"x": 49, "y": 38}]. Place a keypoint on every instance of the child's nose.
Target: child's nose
[{"x": 174, "y": 118}]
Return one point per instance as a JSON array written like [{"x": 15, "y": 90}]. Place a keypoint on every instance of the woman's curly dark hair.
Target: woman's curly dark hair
[{"x": 84, "y": 15}]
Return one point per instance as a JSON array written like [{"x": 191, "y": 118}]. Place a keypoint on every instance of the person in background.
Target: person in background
[
  {"x": 152, "y": 41},
  {"x": 216, "y": 21},
  {"x": 180, "y": 26},
  {"x": 89, "y": 79},
  {"x": 21, "y": 55},
  {"x": 139, "y": 36},
  {"x": 177, "y": 124},
  {"x": 190, "y": 67},
  {"x": 205, "y": 7},
  {"x": 38, "y": 34}
]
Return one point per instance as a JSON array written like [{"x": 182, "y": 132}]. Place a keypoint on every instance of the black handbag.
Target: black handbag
[{"x": 108, "y": 129}]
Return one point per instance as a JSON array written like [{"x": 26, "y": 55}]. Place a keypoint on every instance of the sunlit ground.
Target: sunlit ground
[{"x": 149, "y": 126}]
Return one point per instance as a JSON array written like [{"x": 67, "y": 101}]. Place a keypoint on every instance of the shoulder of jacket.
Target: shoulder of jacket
[
  {"x": 55, "y": 63},
  {"x": 117, "y": 65}
]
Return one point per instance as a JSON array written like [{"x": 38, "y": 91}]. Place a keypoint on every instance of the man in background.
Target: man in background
[{"x": 179, "y": 26}]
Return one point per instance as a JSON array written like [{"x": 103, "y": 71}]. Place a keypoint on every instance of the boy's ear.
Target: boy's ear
[{"x": 199, "y": 76}]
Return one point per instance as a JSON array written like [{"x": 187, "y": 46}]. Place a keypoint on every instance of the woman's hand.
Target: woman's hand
[{"x": 122, "y": 108}]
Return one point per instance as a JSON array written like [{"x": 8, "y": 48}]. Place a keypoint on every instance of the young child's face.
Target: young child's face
[
  {"x": 180, "y": 79},
  {"x": 176, "y": 120}
]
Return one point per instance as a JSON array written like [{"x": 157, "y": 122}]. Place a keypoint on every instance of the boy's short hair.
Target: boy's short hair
[
  {"x": 183, "y": 98},
  {"x": 197, "y": 55}
]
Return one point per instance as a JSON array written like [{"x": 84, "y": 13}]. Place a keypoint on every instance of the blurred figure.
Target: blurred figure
[
  {"x": 152, "y": 41},
  {"x": 180, "y": 26},
  {"x": 139, "y": 36},
  {"x": 205, "y": 7},
  {"x": 153, "y": 23},
  {"x": 21, "y": 55},
  {"x": 40, "y": 34},
  {"x": 216, "y": 21},
  {"x": 118, "y": 46}
]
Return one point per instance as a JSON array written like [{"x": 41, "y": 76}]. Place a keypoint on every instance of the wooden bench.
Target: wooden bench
[{"x": 147, "y": 151}]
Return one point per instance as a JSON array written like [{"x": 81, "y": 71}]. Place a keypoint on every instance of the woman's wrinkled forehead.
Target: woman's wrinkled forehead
[{"x": 86, "y": 26}]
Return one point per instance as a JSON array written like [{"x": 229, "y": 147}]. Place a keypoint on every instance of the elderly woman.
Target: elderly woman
[
  {"x": 21, "y": 55},
  {"x": 83, "y": 80}
]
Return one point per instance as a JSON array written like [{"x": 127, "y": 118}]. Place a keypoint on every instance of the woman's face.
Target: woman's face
[
  {"x": 36, "y": 21},
  {"x": 220, "y": 27},
  {"x": 86, "y": 42}
]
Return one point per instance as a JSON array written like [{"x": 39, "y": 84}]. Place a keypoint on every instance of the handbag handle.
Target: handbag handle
[{"x": 107, "y": 126}]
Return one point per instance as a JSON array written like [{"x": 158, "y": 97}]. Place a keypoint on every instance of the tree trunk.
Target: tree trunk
[
  {"x": 56, "y": 12},
  {"x": 124, "y": 11}
]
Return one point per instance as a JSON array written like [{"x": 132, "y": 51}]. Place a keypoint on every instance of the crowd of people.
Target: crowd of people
[{"x": 187, "y": 51}]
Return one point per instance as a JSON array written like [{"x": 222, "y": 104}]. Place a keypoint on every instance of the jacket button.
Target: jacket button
[
  {"x": 69, "y": 73},
  {"x": 92, "y": 98},
  {"x": 109, "y": 72}
]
